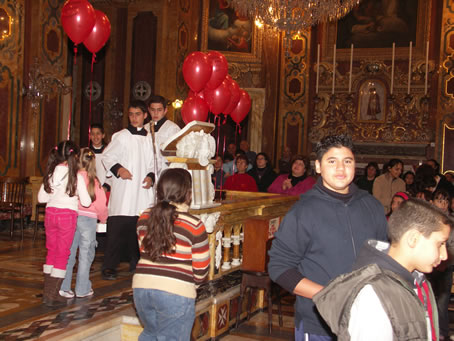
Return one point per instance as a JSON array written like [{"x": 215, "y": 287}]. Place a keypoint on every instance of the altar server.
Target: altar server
[{"x": 131, "y": 162}]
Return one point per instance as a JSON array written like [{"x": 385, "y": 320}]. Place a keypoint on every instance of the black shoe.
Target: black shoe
[{"x": 109, "y": 274}]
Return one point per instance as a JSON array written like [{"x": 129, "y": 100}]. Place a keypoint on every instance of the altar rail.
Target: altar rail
[{"x": 228, "y": 234}]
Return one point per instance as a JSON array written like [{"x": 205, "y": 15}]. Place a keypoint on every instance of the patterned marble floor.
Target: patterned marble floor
[
  {"x": 24, "y": 317},
  {"x": 22, "y": 314}
]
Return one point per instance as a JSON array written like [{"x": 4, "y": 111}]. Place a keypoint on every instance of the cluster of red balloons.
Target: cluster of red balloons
[
  {"x": 83, "y": 23},
  {"x": 212, "y": 89}
]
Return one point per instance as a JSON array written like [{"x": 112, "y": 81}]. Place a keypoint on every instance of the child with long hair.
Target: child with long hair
[
  {"x": 61, "y": 190},
  {"x": 85, "y": 235},
  {"x": 174, "y": 259}
]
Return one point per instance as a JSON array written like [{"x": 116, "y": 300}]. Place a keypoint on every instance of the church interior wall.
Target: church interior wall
[{"x": 411, "y": 127}]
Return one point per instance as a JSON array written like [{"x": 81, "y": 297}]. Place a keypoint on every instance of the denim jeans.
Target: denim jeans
[
  {"x": 85, "y": 241},
  {"x": 165, "y": 316}
]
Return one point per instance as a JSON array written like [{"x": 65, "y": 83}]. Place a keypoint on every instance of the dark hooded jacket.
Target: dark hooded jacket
[
  {"x": 319, "y": 239},
  {"x": 394, "y": 286}
]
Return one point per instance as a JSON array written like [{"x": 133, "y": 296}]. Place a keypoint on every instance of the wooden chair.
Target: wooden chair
[
  {"x": 12, "y": 196},
  {"x": 257, "y": 242},
  {"x": 39, "y": 208}
]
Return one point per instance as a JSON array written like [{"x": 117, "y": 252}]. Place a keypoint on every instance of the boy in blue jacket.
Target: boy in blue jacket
[{"x": 321, "y": 234}]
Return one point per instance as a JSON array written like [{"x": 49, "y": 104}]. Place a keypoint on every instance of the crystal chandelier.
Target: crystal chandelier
[{"x": 292, "y": 16}]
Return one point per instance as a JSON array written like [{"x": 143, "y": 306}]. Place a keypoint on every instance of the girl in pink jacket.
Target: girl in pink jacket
[{"x": 85, "y": 236}]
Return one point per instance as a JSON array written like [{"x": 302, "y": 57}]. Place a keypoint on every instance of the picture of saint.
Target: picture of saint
[
  {"x": 379, "y": 23},
  {"x": 227, "y": 29},
  {"x": 372, "y": 101}
]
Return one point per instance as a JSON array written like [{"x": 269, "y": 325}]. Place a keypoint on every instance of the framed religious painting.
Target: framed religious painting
[
  {"x": 374, "y": 25},
  {"x": 227, "y": 31},
  {"x": 372, "y": 103}
]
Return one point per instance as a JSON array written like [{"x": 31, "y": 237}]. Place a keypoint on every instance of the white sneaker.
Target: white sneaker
[
  {"x": 66, "y": 294},
  {"x": 90, "y": 293}
]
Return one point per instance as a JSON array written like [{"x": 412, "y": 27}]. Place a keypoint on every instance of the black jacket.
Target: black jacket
[
  {"x": 265, "y": 181},
  {"x": 319, "y": 238}
]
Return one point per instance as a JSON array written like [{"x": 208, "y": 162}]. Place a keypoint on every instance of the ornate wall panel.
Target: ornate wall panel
[
  {"x": 11, "y": 60},
  {"x": 294, "y": 95},
  {"x": 52, "y": 61}
]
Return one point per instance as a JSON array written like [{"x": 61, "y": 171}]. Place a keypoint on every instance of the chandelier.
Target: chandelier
[{"x": 292, "y": 16}]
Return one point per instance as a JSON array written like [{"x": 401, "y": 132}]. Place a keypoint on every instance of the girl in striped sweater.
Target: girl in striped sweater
[{"x": 174, "y": 259}]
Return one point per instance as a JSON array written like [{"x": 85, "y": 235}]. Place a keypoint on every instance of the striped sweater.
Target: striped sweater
[{"x": 177, "y": 273}]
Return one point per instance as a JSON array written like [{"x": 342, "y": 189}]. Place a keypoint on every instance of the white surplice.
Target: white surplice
[{"x": 135, "y": 153}]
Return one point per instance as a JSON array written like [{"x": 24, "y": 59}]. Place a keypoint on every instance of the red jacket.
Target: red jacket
[{"x": 240, "y": 182}]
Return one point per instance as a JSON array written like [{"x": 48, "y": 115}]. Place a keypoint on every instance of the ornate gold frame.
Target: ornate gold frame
[
  {"x": 443, "y": 148},
  {"x": 384, "y": 98},
  {"x": 329, "y": 36},
  {"x": 256, "y": 45}
]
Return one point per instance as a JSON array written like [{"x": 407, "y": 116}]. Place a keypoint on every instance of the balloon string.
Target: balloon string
[
  {"x": 225, "y": 119},
  {"x": 70, "y": 114},
  {"x": 239, "y": 128},
  {"x": 219, "y": 132},
  {"x": 75, "y": 54},
  {"x": 222, "y": 177},
  {"x": 93, "y": 58}
]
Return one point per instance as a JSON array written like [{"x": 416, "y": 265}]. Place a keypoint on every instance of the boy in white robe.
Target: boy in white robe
[
  {"x": 163, "y": 128},
  {"x": 130, "y": 160}
]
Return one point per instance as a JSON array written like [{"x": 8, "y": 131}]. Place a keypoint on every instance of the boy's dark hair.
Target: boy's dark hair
[
  {"x": 331, "y": 141},
  {"x": 306, "y": 161},
  {"x": 137, "y": 103},
  {"x": 157, "y": 99},
  {"x": 97, "y": 126},
  {"x": 174, "y": 187},
  {"x": 65, "y": 151},
  {"x": 419, "y": 215}
]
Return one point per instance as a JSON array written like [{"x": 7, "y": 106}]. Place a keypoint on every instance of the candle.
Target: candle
[
  {"x": 392, "y": 69},
  {"x": 318, "y": 68},
  {"x": 351, "y": 70},
  {"x": 409, "y": 68},
  {"x": 427, "y": 68},
  {"x": 334, "y": 69}
]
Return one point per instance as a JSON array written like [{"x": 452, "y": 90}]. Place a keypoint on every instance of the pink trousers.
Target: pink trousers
[{"x": 60, "y": 224}]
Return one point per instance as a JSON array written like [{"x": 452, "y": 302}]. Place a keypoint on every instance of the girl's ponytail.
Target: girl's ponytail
[
  {"x": 87, "y": 162},
  {"x": 71, "y": 153}
]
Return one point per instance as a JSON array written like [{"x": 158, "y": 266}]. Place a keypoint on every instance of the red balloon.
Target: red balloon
[
  {"x": 242, "y": 109},
  {"x": 99, "y": 34},
  {"x": 197, "y": 70},
  {"x": 194, "y": 109},
  {"x": 78, "y": 18},
  {"x": 234, "y": 93},
  {"x": 198, "y": 94},
  {"x": 220, "y": 69},
  {"x": 219, "y": 98}
]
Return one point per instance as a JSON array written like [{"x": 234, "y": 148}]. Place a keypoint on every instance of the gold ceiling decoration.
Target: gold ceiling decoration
[{"x": 293, "y": 16}]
